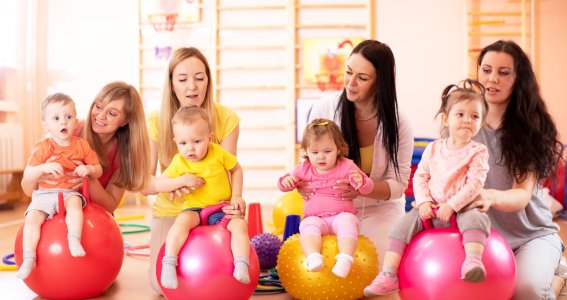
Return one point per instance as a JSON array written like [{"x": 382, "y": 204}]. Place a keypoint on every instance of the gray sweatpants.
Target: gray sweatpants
[{"x": 410, "y": 225}]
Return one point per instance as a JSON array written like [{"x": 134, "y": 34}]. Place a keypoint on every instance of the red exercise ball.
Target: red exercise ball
[
  {"x": 431, "y": 268},
  {"x": 205, "y": 267},
  {"x": 58, "y": 275}
]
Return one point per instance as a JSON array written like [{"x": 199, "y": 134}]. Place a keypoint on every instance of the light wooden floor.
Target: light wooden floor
[{"x": 132, "y": 282}]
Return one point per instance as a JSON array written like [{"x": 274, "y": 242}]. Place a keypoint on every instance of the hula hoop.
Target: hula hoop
[
  {"x": 8, "y": 268},
  {"x": 269, "y": 284},
  {"x": 144, "y": 228},
  {"x": 132, "y": 251},
  {"x": 9, "y": 265},
  {"x": 7, "y": 260},
  {"x": 128, "y": 218}
]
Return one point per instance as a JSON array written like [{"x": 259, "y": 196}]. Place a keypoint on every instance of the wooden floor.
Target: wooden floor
[{"x": 132, "y": 282}]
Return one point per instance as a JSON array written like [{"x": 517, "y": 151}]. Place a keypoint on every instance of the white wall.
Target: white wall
[
  {"x": 429, "y": 43},
  {"x": 89, "y": 44}
]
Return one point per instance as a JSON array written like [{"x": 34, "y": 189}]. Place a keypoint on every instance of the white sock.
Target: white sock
[
  {"x": 75, "y": 246},
  {"x": 314, "y": 262},
  {"x": 241, "y": 264},
  {"x": 27, "y": 265},
  {"x": 169, "y": 272},
  {"x": 343, "y": 265}
]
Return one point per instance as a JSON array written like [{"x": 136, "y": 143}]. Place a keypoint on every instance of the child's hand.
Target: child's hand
[
  {"x": 238, "y": 204},
  {"x": 355, "y": 179},
  {"x": 83, "y": 170},
  {"x": 290, "y": 182},
  {"x": 426, "y": 210},
  {"x": 445, "y": 212},
  {"x": 52, "y": 168}
]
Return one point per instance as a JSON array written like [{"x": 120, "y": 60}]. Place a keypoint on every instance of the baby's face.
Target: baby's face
[
  {"x": 192, "y": 140},
  {"x": 60, "y": 120},
  {"x": 323, "y": 153}
]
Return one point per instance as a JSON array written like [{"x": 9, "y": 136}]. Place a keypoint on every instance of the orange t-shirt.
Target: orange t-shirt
[{"x": 79, "y": 149}]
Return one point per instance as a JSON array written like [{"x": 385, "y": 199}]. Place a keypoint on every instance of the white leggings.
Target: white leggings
[
  {"x": 376, "y": 221},
  {"x": 536, "y": 262}
]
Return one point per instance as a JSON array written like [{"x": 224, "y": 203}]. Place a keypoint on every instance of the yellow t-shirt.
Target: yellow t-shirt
[
  {"x": 213, "y": 169},
  {"x": 366, "y": 156},
  {"x": 225, "y": 122}
]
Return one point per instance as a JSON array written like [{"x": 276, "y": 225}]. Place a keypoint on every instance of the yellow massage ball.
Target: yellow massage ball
[
  {"x": 290, "y": 203},
  {"x": 302, "y": 284}
]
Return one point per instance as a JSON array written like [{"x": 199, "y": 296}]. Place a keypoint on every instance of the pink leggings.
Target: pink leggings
[{"x": 344, "y": 225}]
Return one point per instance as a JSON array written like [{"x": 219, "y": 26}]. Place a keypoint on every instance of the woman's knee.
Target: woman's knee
[{"x": 529, "y": 287}]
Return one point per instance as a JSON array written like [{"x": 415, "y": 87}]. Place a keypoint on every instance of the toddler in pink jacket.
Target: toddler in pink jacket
[
  {"x": 325, "y": 151},
  {"x": 449, "y": 176}
]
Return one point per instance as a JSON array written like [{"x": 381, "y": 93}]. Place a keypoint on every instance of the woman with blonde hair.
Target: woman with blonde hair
[
  {"x": 188, "y": 82},
  {"x": 116, "y": 130}
]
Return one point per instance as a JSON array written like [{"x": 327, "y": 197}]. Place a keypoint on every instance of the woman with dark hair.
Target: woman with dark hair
[
  {"x": 524, "y": 149},
  {"x": 380, "y": 139}
]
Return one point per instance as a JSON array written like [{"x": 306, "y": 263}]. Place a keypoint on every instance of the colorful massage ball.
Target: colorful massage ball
[
  {"x": 302, "y": 284},
  {"x": 267, "y": 247}
]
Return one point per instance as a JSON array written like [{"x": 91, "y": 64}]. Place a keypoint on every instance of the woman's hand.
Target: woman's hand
[
  {"x": 46, "y": 177},
  {"x": 73, "y": 178},
  {"x": 191, "y": 182},
  {"x": 483, "y": 201},
  {"x": 305, "y": 191},
  {"x": 345, "y": 190}
]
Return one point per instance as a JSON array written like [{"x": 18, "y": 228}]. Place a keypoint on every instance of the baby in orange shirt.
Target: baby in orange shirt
[{"x": 61, "y": 156}]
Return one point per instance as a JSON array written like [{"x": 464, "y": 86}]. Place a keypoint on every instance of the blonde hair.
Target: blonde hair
[
  {"x": 64, "y": 99},
  {"x": 170, "y": 105},
  {"x": 188, "y": 115},
  {"x": 133, "y": 144},
  {"x": 320, "y": 127}
]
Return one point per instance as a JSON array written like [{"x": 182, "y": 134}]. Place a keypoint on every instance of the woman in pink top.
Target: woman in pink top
[
  {"x": 116, "y": 130},
  {"x": 450, "y": 175},
  {"x": 325, "y": 151}
]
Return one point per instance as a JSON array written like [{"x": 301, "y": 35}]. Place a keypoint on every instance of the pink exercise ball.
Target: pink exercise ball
[
  {"x": 431, "y": 268},
  {"x": 205, "y": 267},
  {"x": 58, "y": 275}
]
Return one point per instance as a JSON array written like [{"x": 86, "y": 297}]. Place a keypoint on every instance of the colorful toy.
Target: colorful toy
[
  {"x": 289, "y": 204},
  {"x": 302, "y": 284},
  {"x": 267, "y": 247},
  {"x": 431, "y": 267},
  {"x": 206, "y": 265},
  {"x": 58, "y": 275}
]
